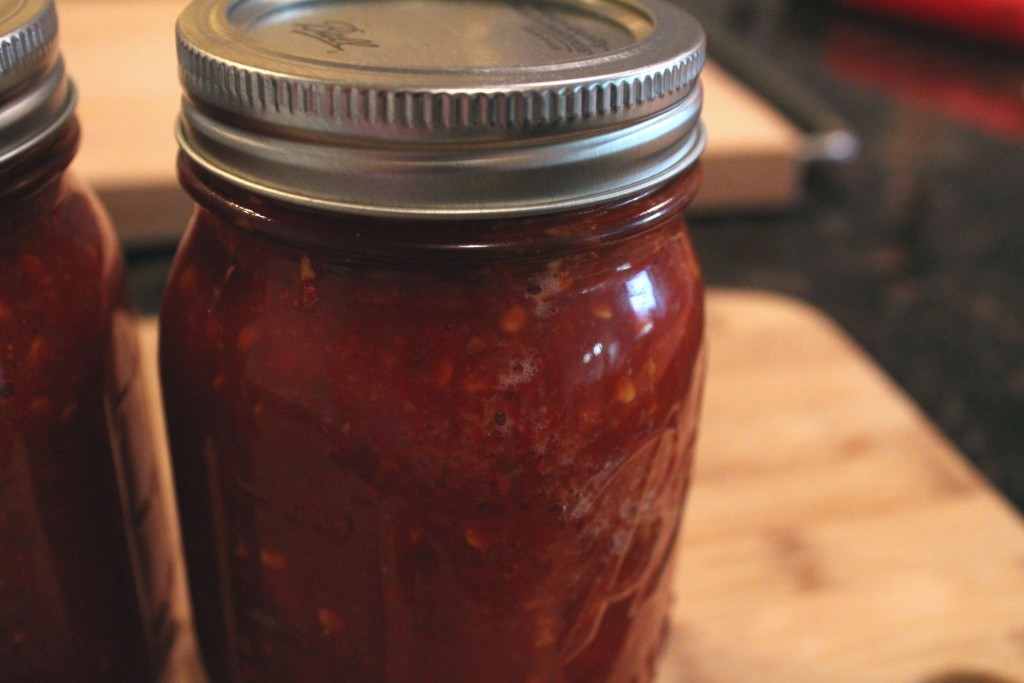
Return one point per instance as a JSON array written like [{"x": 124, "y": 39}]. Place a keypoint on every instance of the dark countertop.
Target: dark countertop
[{"x": 917, "y": 247}]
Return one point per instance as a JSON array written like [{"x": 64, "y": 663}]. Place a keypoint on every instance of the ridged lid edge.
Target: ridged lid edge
[
  {"x": 28, "y": 40},
  {"x": 236, "y": 88}
]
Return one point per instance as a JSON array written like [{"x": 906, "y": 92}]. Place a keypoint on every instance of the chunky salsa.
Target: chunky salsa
[
  {"x": 84, "y": 572},
  {"x": 431, "y": 452}
]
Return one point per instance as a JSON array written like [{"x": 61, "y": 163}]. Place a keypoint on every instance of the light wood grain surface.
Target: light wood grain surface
[
  {"x": 121, "y": 55},
  {"x": 832, "y": 534}
]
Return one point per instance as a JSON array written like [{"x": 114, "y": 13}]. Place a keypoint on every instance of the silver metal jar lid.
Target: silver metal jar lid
[
  {"x": 441, "y": 108},
  {"x": 36, "y": 96}
]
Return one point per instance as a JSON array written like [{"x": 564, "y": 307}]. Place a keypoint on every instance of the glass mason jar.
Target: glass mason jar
[
  {"x": 84, "y": 569},
  {"x": 431, "y": 348}
]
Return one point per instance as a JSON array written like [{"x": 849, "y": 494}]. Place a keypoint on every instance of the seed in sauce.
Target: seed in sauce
[
  {"x": 330, "y": 620},
  {"x": 475, "y": 385},
  {"x": 272, "y": 559},
  {"x": 308, "y": 277},
  {"x": 514, "y": 319},
  {"x": 625, "y": 391},
  {"x": 246, "y": 338},
  {"x": 477, "y": 537},
  {"x": 443, "y": 373}
]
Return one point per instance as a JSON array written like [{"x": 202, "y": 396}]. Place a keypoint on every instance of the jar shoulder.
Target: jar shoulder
[
  {"x": 62, "y": 283},
  {"x": 396, "y": 349}
]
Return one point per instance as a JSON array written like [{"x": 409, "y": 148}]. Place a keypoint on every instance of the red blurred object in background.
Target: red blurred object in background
[
  {"x": 983, "y": 88},
  {"x": 1001, "y": 20}
]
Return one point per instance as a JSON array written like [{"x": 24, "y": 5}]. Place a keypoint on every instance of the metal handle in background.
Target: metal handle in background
[{"x": 828, "y": 137}]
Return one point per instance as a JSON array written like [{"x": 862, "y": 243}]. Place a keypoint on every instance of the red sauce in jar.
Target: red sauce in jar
[
  {"x": 431, "y": 347},
  {"x": 85, "y": 566},
  {"x": 421, "y": 451},
  {"x": 84, "y": 574}
]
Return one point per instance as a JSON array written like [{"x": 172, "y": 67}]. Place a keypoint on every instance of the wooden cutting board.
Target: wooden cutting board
[
  {"x": 122, "y": 57},
  {"x": 832, "y": 534}
]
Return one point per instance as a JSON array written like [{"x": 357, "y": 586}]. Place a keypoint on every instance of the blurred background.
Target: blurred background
[
  {"x": 867, "y": 157},
  {"x": 916, "y": 246}
]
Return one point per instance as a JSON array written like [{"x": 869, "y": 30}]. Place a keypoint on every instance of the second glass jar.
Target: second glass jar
[{"x": 86, "y": 567}]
